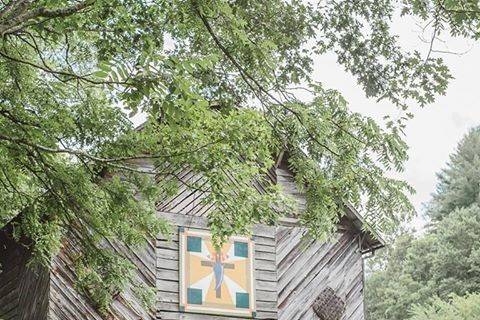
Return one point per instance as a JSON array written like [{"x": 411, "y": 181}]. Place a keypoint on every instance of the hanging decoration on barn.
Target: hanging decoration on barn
[
  {"x": 329, "y": 306},
  {"x": 216, "y": 281}
]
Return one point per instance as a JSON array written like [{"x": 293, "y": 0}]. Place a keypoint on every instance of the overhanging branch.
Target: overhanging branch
[{"x": 81, "y": 153}]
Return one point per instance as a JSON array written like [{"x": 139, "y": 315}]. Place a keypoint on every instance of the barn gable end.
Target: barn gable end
[{"x": 292, "y": 272}]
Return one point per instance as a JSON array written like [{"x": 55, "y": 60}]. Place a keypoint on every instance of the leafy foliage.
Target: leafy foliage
[
  {"x": 458, "y": 308},
  {"x": 214, "y": 78},
  {"x": 458, "y": 184},
  {"x": 103, "y": 277},
  {"x": 443, "y": 261},
  {"x": 460, "y": 17}
]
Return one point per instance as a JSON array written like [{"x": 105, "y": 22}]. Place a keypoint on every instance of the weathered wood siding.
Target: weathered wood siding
[
  {"x": 306, "y": 267},
  {"x": 23, "y": 290},
  {"x": 187, "y": 201},
  {"x": 168, "y": 274},
  {"x": 291, "y": 270},
  {"x": 67, "y": 303},
  {"x": 286, "y": 180},
  {"x": 192, "y": 202},
  {"x": 303, "y": 267}
]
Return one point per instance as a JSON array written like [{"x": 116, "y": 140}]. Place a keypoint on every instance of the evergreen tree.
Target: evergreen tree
[
  {"x": 443, "y": 261},
  {"x": 459, "y": 182}
]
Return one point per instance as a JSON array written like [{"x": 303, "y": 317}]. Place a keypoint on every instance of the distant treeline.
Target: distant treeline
[{"x": 436, "y": 275}]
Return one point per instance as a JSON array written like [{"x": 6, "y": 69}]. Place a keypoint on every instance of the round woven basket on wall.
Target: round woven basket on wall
[{"x": 328, "y": 306}]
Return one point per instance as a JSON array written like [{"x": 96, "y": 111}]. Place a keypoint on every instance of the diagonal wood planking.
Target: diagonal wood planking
[
  {"x": 68, "y": 303},
  {"x": 23, "y": 290},
  {"x": 305, "y": 267},
  {"x": 290, "y": 269}
]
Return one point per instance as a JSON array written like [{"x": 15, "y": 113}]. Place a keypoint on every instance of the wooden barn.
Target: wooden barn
[{"x": 278, "y": 273}]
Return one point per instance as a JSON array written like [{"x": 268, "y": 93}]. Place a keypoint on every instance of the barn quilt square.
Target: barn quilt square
[{"x": 216, "y": 281}]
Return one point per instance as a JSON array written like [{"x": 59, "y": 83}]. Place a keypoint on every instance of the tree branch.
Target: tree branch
[
  {"x": 111, "y": 161},
  {"x": 247, "y": 78},
  {"x": 62, "y": 73},
  {"x": 18, "y": 22}
]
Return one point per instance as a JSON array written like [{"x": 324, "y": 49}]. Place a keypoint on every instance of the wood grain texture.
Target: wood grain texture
[
  {"x": 66, "y": 302},
  {"x": 306, "y": 267},
  {"x": 285, "y": 179},
  {"x": 188, "y": 201},
  {"x": 290, "y": 268},
  {"x": 23, "y": 290}
]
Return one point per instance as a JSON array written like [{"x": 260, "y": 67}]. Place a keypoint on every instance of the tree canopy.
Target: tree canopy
[
  {"x": 457, "y": 308},
  {"x": 465, "y": 308},
  {"x": 217, "y": 81},
  {"x": 443, "y": 261},
  {"x": 458, "y": 184}
]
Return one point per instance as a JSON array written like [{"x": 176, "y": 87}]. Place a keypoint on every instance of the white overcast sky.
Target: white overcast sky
[{"x": 436, "y": 129}]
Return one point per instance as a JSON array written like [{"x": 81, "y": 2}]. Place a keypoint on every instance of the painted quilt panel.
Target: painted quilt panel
[{"x": 216, "y": 281}]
